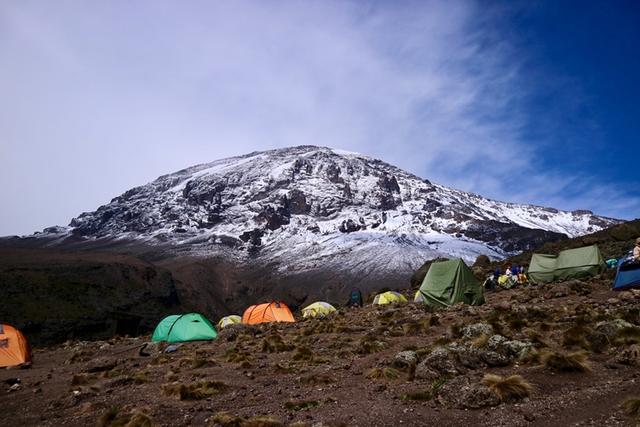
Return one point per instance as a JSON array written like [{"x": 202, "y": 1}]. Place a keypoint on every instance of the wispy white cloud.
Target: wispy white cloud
[{"x": 97, "y": 98}]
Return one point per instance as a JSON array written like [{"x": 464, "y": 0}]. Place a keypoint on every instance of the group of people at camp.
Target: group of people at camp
[{"x": 513, "y": 276}]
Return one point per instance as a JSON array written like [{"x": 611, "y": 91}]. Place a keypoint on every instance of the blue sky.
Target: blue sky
[{"x": 534, "y": 102}]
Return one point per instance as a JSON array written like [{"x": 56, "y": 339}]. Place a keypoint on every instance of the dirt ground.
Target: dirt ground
[{"x": 341, "y": 370}]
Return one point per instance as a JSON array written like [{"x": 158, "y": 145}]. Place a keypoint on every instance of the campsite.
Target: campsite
[{"x": 569, "y": 344}]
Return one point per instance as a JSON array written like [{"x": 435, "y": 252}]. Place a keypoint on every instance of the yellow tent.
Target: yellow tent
[
  {"x": 319, "y": 308},
  {"x": 419, "y": 297},
  {"x": 388, "y": 298},
  {"x": 229, "y": 320}
]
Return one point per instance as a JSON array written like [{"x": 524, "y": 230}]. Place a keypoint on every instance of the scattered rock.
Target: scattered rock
[
  {"x": 477, "y": 329},
  {"x": 150, "y": 349},
  {"x": 461, "y": 392},
  {"x": 467, "y": 355},
  {"x": 440, "y": 361},
  {"x": 405, "y": 360},
  {"x": 496, "y": 342},
  {"x": 517, "y": 349},
  {"x": 493, "y": 359},
  {"x": 610, "y": 329}
]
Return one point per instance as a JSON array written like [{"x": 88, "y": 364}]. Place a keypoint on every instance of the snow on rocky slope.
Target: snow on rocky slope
[{"x": 306, "y": 207}]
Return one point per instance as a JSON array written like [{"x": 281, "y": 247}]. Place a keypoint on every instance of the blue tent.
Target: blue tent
[{"x": 627, "y": 276}]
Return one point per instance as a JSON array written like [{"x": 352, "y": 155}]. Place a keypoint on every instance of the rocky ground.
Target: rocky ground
[{"x": 574, "y": 348}]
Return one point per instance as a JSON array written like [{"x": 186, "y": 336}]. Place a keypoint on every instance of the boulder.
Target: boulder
[
  {"x": 629, "y": 356},
  {"x": 405, "y": 360},
  {"x": 611, "y": 328},
  {"x": 477, "y": 329},
  {"x": 517, "y": 349},
  {"x": 493, "y": 359},
  {"x": 496, "y": 342},
  {"x": 467, "y": 355},
  {"x": 439, "y": 361},
  {"x": 463, "y": 393}
]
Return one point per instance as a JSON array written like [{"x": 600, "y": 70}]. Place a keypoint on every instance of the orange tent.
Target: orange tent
[
  {"x": 267, "y": 312},
  {"x": 14, "y": 348}
]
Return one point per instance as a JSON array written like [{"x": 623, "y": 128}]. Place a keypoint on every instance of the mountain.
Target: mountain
[{"x": 308, "y": 205}]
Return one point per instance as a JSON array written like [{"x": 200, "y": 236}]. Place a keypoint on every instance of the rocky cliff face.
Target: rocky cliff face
[{"x": 53, "y": 296}]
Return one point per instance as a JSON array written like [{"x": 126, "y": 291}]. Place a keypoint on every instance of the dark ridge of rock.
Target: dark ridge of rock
[
  {"x": 55, "y": 296},
  {"x": 511, "y": 237},
  {"x": 349, "y": 226}
]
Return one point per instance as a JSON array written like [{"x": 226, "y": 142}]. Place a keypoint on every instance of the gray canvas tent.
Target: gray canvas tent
[
  {"x": 450, "y": 282},
  {"x": 572, "y": 263}
]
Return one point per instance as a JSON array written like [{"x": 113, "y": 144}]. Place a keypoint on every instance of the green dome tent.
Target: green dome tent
[
  {"x": 450, "y": 282},
  {"x": 184, "y": 327},
  {"x": 569, "y": 264}
]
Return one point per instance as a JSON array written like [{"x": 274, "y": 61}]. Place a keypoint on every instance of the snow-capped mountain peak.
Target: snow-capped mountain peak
[{"x": 307, "y": 205}]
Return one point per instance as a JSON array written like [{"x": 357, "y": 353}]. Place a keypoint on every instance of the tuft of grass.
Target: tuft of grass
[
  {"x": 262, "y": 421},
  {"x": 414, "y": 327},
  {"x": 171, "y": 376},
  {"x": 510, "y": 388},
  {"x": 531, "y": 357},
  {"x": 369, "y": 345},
  {"x": 225, "y": 419},
  {"x": 301, "y": 405},
  {"x": 576, "y": 336},
  {"x": 282, "y": 368},
  {"x": 195, "y": 391},
  {"x": 383, "y": 373},
  {"x": 140, "y": 420},
  {"x": 576, "y": 361},
  {"x": 113, "y": 418},
  {"x": 317, "y": 379},
  {"x": 455, "y": 330},
  {"x": 628, "y": 335},
  {"x": 631, "y": 406},
  {"x": 437, "y": 384},
  {"x": 141, "y": 377},
  {"x": 196, "y": 362},
  {"x": 303, "y": 353},
  {"x": 108, "y": 417},
  {"x": 275, "y": 344},
  {"x": 237, "y": 355},
  {"x": 480, "y": 341},
  {"x": 82, "y": 379}
]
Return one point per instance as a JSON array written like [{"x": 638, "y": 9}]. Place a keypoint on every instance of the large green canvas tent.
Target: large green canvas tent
[
  {"x": 450, "y": 282},
  {"x": 184, "y": 327},
  {"x": 572, "y": 263}
]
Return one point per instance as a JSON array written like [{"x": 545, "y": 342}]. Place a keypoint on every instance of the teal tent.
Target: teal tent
[
  {"x": 184, "y": 327},
  {"x": 450, "y": 282}
]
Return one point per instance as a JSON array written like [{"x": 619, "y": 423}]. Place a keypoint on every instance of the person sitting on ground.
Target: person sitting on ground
[
  {"x": 522, "y": 277},
  {"x": 491, "y": 283},
  {"x": 508, "y": 272}
]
